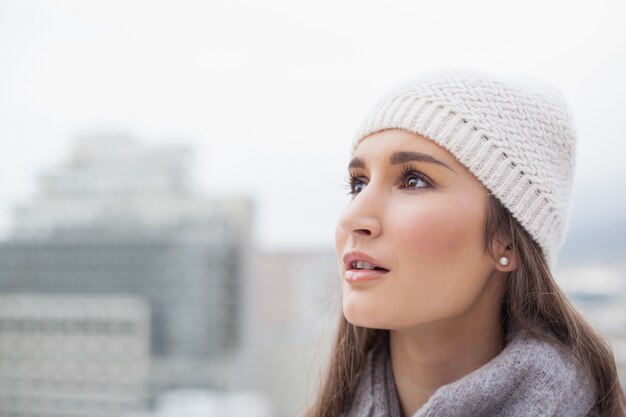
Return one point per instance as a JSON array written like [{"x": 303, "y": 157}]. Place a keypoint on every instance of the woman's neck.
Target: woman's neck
[{"x": 437, "y": 354}]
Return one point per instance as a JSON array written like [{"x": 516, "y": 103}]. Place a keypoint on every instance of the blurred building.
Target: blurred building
[
  {"x": 205, "y": 403},
  {"x": 300, "y": 293},
  {"x": 69, "y": 356},
  {"x": 118, "y": 218}
]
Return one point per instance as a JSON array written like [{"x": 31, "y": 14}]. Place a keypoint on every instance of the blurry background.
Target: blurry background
[{"x": 171, "y": 173}]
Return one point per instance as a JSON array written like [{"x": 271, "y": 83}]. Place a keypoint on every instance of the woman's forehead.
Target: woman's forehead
[{"x": 394, "y": 144}]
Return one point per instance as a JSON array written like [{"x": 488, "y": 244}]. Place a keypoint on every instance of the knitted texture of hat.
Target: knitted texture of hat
[{"x": 515, "y": 134}]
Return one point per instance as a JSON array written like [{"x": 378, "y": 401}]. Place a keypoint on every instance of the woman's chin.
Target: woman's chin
[{"x": 365, "y": 316}]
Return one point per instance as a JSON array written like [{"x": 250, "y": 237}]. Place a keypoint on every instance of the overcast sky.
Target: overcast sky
[{"x": 269, "y": 93}]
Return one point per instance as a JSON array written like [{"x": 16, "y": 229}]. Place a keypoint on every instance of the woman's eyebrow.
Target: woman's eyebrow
[
  {"x": 403, "y": 157},
  {"x": 356, "y": 163}
]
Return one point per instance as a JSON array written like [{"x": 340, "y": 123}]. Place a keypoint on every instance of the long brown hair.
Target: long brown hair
[{"x": 532, "y": 299}]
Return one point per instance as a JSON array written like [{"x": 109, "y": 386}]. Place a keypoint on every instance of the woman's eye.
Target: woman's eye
[
  {"x": 355, "y": 185},
  {"x": 414, "y": 180}
]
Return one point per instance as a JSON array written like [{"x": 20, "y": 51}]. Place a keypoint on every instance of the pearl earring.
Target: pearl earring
[{"x": 504, "y": 261}]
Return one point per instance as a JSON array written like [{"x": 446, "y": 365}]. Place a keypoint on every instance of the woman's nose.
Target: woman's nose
[{"x": 362, "y": 216}]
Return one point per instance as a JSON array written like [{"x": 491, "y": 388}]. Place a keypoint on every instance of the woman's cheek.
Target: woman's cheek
[{"x": 431, "y": 232}]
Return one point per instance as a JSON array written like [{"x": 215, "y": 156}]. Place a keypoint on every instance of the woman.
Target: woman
[{"x": 460, "y": 184}]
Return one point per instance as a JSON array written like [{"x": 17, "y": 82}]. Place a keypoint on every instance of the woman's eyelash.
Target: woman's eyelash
[
  {"x": 408, "y": 171},
  {"x": 351, "y": 182}
]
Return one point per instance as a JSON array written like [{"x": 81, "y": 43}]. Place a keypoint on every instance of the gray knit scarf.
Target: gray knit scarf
[{"x": 529, "y": 377}]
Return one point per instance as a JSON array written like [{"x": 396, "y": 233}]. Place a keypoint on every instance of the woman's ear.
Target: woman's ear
[{"x": 504, "y": 256}]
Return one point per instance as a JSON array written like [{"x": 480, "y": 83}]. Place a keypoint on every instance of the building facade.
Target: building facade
[
  {"x": 120, "y": 219},
  {"x": 73, "y": 356}
]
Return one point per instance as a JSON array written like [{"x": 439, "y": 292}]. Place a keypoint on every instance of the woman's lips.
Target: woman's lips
[
  {"x": 360, "y": 267},
  {"x": 360, "y": 275}
]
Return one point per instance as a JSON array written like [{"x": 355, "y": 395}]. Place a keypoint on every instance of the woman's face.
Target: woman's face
[{"x": 418, "y": 215}]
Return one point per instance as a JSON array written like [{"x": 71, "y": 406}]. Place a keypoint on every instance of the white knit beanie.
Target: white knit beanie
[{"x": 515, "y": 134}]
